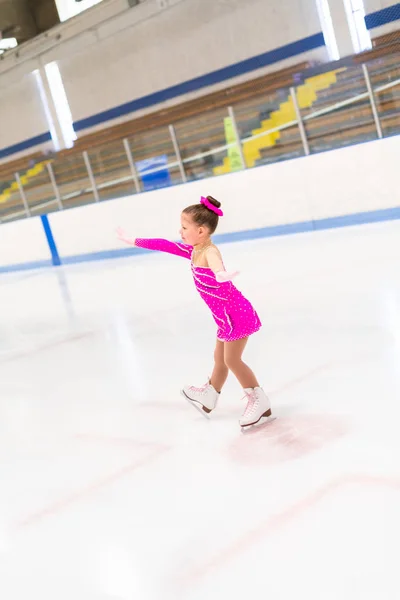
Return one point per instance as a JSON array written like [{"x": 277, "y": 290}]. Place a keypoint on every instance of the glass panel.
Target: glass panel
[
  {"x": 153, "y": 153},
  {"x": 201, "y": 134},
  {"x": 38, "y": 189},
  {"x": 383, "y": 72},
  {"x": 208, "y": 165},
  {"x": 343, "y": 125},
  {"x": 287, "y": 145},
  {"x": 264, "y": 113},
  {"x": 72, "y": 180},
  {"x": 111, "y": 171},
  {"x": 11, "y": 205},
  {"x": 174, "y": 176}
]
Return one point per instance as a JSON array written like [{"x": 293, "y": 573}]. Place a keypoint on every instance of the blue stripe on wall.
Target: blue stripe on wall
[
  {"x": 50, "y": 240},
  {"x": 245, "y": 66},
  {"x": 382, "y": 17},
  {"x": 35, "y": 141}
]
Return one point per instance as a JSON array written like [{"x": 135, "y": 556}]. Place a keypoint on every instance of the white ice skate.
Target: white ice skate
[
  {"x": 258, "y": 406},
  {"x": 203, "y": 398}
]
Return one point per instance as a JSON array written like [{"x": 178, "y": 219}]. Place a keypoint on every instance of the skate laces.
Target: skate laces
[
  {"x": 199, "y": 390},
  {"x": 252, "y": 401}
]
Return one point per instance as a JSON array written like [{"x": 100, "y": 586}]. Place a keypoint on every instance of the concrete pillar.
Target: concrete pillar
[{"x": 341, "y": 27}]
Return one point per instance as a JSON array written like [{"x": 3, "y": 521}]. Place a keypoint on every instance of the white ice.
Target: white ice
[{"x": 114, "y": 488}]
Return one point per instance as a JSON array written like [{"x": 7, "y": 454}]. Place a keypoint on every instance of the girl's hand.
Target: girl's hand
[
  {"x": 124, "y": 237},
  {"x": 223, "y": 276}
]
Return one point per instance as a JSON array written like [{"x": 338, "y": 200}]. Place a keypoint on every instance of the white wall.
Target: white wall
[
  {"x": 372, "y": 6},
  {"x": 21, "y": 112},
  {"x": 112, "y": 55},
  {"x": 190, "y": 39},
  {"x": 329, "y": 184}
]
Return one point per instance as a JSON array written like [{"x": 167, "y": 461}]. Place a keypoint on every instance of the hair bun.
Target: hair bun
[{"x": 213, "y": 201}]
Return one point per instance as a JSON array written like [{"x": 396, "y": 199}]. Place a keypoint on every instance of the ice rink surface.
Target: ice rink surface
[{"x": 115, "y": 488}]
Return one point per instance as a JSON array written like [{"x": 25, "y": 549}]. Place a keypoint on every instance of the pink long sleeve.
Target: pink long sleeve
[{"x": 183, "y": 250}]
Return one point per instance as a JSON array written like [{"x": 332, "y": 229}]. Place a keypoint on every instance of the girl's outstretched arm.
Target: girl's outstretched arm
[{"x": 179, "y": 249}]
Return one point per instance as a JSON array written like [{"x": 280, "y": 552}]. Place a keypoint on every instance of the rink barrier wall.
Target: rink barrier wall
[
  {"x": 23, "y": 246},
  {"x": 363, "y": 218},
  {"x": 389, "y": 214},
  {"x": 351, "y": 186}
]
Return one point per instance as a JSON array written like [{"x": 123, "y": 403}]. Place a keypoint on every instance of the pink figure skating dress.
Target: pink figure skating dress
[{"x": 232, "y": 312}]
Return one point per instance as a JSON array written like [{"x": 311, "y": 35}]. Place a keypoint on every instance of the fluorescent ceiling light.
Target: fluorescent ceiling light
[{"x": 61, "y": 103}]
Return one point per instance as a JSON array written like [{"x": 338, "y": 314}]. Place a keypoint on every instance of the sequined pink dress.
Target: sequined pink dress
[{"x": 232, "y": 312}]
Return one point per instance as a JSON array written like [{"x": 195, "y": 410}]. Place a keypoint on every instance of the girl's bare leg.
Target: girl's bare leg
[
  {"x": 233, "y": 360},
  {"x": 220, "y": 371}
]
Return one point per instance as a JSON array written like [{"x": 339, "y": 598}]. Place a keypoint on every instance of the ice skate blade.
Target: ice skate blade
[
  {"x": 261, "y": 421},
  {"x": 197, "y": 406}
]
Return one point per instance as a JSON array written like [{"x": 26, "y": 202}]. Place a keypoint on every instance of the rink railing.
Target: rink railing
[{"x": 97, "y": 180}]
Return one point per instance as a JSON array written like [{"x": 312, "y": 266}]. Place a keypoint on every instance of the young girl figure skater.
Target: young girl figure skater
[{"x": 235, "y": 317}]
